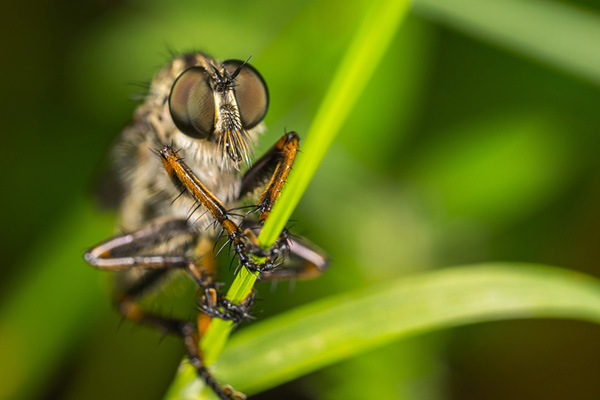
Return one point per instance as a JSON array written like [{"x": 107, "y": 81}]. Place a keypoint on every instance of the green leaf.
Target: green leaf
[
  {"x": 554, "y": 33},
  {"x": 303, "y": 340}
]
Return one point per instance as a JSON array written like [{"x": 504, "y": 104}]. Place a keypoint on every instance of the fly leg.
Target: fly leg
[
  {"x": 122, "y": 252},
  {"x": 190, "y": 333},
  {"x": 271, "y": 171},
  {"x": 143, "y": 248},
  {"x": 125, "y": 251},
  {"x": 244, "y": 242}
]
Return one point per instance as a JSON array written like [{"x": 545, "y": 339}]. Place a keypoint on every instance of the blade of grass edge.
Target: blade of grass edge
[{"x": 352, "y": 75}]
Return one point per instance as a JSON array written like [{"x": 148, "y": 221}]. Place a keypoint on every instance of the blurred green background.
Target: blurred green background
[{"x": 476, "y": 140}]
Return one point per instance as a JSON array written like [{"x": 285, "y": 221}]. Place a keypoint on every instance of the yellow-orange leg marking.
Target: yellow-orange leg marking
[
  {"x": 287, "y": 146},
  {"x": 183, "y": 177}
]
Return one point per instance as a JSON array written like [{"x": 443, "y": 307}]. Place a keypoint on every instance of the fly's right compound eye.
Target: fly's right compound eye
[{"x": 192, "y": 103}]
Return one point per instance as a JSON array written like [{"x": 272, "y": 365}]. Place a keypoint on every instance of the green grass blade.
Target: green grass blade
[
  {"x": 554, "y": 33},
  {"x": 290, "y": 345},
  {"x": 361, "y": 59}
]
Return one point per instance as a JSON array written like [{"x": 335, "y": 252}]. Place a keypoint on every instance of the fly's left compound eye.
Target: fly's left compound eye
[
  {"x": 192, "y": 103},
  {"x": 250, "y": 92}
]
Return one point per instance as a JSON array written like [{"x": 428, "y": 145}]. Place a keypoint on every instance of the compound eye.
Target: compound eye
[
  {"x": 250, "y": 92},
  {"x": 192, "y": 103}
]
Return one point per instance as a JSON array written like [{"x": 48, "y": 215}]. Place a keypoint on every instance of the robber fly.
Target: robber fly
[{"x": 179, "y": 163}]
